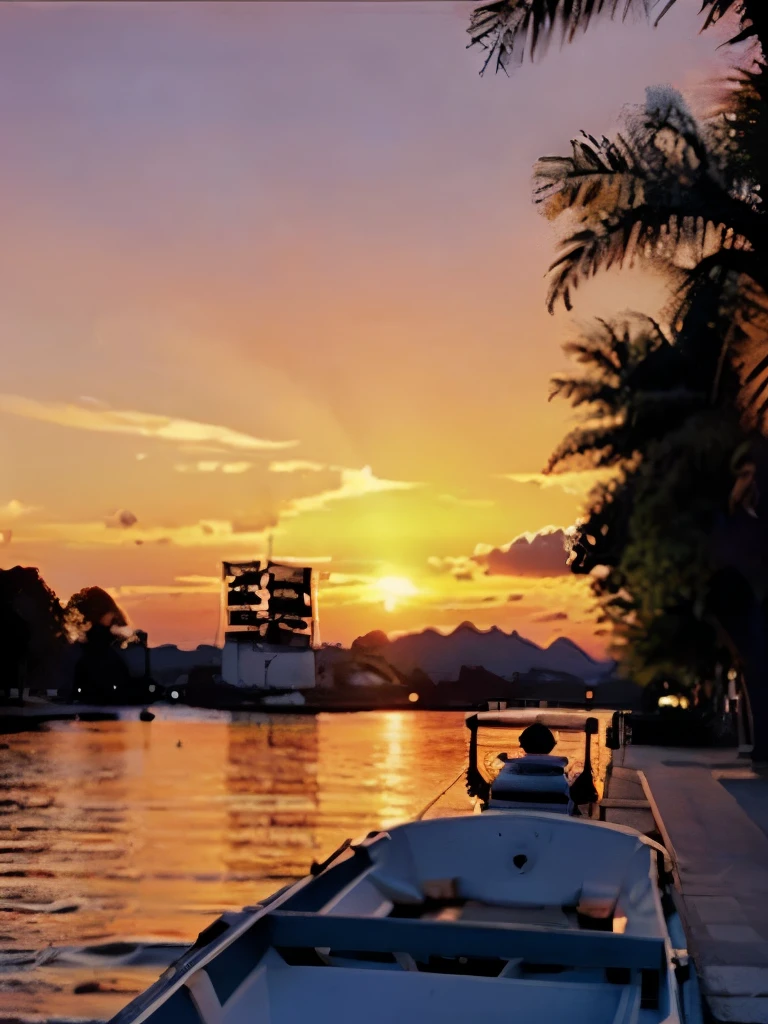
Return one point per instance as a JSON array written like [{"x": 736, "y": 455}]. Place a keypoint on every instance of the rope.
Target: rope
[{"x": 442, "y": 792}]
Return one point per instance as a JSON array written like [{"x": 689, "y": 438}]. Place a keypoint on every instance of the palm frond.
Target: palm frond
[
  {"x": 602, "y": 445},
  {"x": 753, "y": 17},
  {"x": 750, "y": 348},
  {"x": 593, "y": 352},
  {"x": 655, "y": 232},
  {"x": 597, "y": 173},
  {"x": 584, "y": 391},
  {"x": 738, "y": 126},
  {"x": 657, "y": 190},
  {"x": 508, "y": 29}
]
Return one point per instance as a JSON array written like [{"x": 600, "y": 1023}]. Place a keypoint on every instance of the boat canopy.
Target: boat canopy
[
  {"x": 614, "y": 726},
  {"x": 553, "y": 718}
]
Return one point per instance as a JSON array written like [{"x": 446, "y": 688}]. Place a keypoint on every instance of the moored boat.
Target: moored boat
[
  {"x": 538, "y": 776},
  {"x": 520, "y": 916}
]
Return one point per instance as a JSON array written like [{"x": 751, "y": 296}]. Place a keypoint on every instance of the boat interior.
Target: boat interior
[{"x": 559, "y": 918}]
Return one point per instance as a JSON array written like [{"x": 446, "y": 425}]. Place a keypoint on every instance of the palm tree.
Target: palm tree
[
  {"x": 645, "y": 537},
  {"x": 635, "y": 388},
  {"x": 666, "y": 189},
  {"x": 688, "y": 197},
  {"x": 511, "y": 29}
]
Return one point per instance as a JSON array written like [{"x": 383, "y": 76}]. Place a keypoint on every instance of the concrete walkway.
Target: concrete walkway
[{"x": 714, "y": 811}]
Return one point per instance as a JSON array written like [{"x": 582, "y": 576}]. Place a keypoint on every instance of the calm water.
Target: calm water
[{"x": 142, "y": 833}]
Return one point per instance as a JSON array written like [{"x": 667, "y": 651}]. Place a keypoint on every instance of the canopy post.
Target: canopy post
[{"x": 477, "y": 785}]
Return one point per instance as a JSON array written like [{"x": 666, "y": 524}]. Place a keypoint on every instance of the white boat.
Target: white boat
[
  {"x": 508, "y": 916},
  {"x": 540, "y": 781}
]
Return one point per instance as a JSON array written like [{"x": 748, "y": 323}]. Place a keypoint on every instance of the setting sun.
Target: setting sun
[{"x": 393, "y": 589}]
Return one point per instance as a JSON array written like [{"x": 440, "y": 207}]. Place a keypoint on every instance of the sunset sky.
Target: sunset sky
[{"x": 275, "y": 267}]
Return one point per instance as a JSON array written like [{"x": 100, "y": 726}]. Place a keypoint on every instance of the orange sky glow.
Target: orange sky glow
[{"x": 274, "y": 268}]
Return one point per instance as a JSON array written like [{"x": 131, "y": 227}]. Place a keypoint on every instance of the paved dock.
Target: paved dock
[{"x": 715, "y": 813}]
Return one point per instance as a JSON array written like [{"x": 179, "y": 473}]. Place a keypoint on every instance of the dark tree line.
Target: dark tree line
[{"x": 46, "y": 644}]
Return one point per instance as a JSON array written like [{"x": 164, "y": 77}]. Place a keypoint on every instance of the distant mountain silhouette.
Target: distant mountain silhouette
[
  {"x": 442, "y": 657},
  {"x": 374, "y": 640}
]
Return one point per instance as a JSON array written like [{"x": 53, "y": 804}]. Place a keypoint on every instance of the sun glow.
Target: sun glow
[{"x": 393, "y": 589}]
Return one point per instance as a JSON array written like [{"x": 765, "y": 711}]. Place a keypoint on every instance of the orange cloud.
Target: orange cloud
[
  {"x": 13, "y": 509},
  {"x": 120, "y": 520},
  {"x": 212, "y": 533},
  {"x": 297, "y": 466},
  {"x": 129, "y": 421},
  {"x": 538, "y": 554},
  {"x": 578, "y": 482},
  {"x": 355, "y": 483}
]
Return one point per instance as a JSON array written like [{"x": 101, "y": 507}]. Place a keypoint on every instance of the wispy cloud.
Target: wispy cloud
[
  {"x": 344, "y": 579},
  {"x": 461, "y": 567},
  {"x": 140, "y": 424},
  {"x": 297, "y": 466},
  {"x": 253, "y": 526},
  {"x": 185, "y": 586},
  {"x": 355, "y": 483},
  {"x": 578, "y": 482},
  {"x": 181, "y": 587},
  {"x": 551, "y": 617},
  {"x": 219, "y": 534},
  {"x": 225, "y": 535},
  {"x": 14, "y": 509},
  {"x": 213, "y": 467}
]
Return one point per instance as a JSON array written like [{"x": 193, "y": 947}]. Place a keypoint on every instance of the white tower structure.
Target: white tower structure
[{"x": 270, "y": 626}]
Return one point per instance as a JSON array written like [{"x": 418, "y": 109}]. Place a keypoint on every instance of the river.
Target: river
[{"x": 121, "y": 840}]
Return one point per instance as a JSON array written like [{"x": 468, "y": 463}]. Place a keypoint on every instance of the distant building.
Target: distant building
[{"x": 270, "y": 626}]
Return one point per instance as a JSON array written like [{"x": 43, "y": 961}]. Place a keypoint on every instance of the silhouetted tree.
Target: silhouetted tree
[
  {"x": 645, "y": 537},
  {"x": 96, "y": 622},
  {"x": 91, "y": 607},
  {"x": 31, "y": 627}
]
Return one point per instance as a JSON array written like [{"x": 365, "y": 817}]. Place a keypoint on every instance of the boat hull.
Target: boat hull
[{"x": 517, "y": 916}]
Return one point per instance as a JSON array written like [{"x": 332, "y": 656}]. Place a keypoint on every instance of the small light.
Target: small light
[
  {"x": 413, "y": 697},
  {"x": 79, "y": 690},
  {"x": 114, "y": 687},
  {"x": 175, "y": 694},
  {"x": 669, "y": 700},
  {"x": 589, "y": 695},
  {"x": 151, "y": 687}
]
